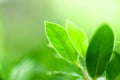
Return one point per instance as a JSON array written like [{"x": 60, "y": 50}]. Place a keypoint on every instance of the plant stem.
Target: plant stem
[
  {"x": 84, "y": 73},
  {"x": 95, "y": 78}
]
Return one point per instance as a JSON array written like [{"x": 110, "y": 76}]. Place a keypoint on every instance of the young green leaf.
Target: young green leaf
[
  {"x": 113, "y": 68},
  {"x": 78, "y": 38},
  {"x": 60, "y": 41},
  {"x": 99, "y": 51}
]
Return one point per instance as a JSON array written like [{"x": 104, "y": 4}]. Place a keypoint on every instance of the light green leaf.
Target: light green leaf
[
  {"x": 22, "y": 71},
  {"x": 58, "y": 38},
  {"x": 78, "y": 38},
  {"x": 113, "y": 68},
  {"x": 64, "y": 73},
  {"x": 99, "y": 51}
]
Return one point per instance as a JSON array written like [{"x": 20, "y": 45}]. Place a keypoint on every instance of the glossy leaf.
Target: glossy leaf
[
  {"x": 99, "y": 51},
  {"x": 113, "y": 68},
  {"x": 58, "y": 38},
  {"x": 78, "y": 38}
]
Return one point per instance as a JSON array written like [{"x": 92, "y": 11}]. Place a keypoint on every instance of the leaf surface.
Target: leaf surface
[
  {"x": 113, "y": 68},
  {"x": 99, "y": 51},
  {"x": 78, "y": 38},
  {"x": 57, "y": 36}
]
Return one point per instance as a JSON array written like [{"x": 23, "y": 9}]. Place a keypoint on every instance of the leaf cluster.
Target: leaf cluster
[{"x": 94, "y": 57}]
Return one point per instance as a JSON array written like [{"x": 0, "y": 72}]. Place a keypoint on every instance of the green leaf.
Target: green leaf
[
  {"x": 23, "y": 71},
  {"x": 64, "y": 73},
  {"x": 58, "y": 38},
  {"x": 99, "y": 51},
  {"x": 117, "y": 47},
  {"x": 113, "y": 68},
  {"x": 78, "y": 38}
]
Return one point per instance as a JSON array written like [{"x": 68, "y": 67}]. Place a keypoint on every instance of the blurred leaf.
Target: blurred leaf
[
  {"x": 2, "y": 75},
  {"x": 64, "y": 74},
  {"x": 113, "y": 68},
  {"x": 60, "y": 41},
  {"x": 78, "y": 38},
  {"x": 23, "y": 71},
  {"x": 1, "y": 42},
  {"x": 99, "y": 51}
]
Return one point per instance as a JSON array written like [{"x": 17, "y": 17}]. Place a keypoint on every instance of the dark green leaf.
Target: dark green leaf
[
  {"x": 113, "y": 68},
  {"x": 99, "y": 51},
  {"x": 58, "y": 38}
]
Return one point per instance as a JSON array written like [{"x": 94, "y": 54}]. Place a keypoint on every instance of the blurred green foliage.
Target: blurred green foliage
[{"x": 22, "y": 37}]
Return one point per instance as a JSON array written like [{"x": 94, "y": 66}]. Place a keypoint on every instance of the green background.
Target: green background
[{"x": 23, "y": 42}]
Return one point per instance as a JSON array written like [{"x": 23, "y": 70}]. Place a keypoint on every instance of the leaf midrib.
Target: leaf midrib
[
  {"x": 64, "y": 45},
  {"x": 80, "y": 49},
  {"x": 98, "y": 59}
]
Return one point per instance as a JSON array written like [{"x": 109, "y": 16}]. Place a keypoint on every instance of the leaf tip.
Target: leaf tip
[
  {"x": 69, "y": 22},
  {"x": 106, "y": 25},
  {"x": 46, "y": 22}
]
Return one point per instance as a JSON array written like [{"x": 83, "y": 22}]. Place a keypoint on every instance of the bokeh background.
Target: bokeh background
[{"x": 24, "y": 50}]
